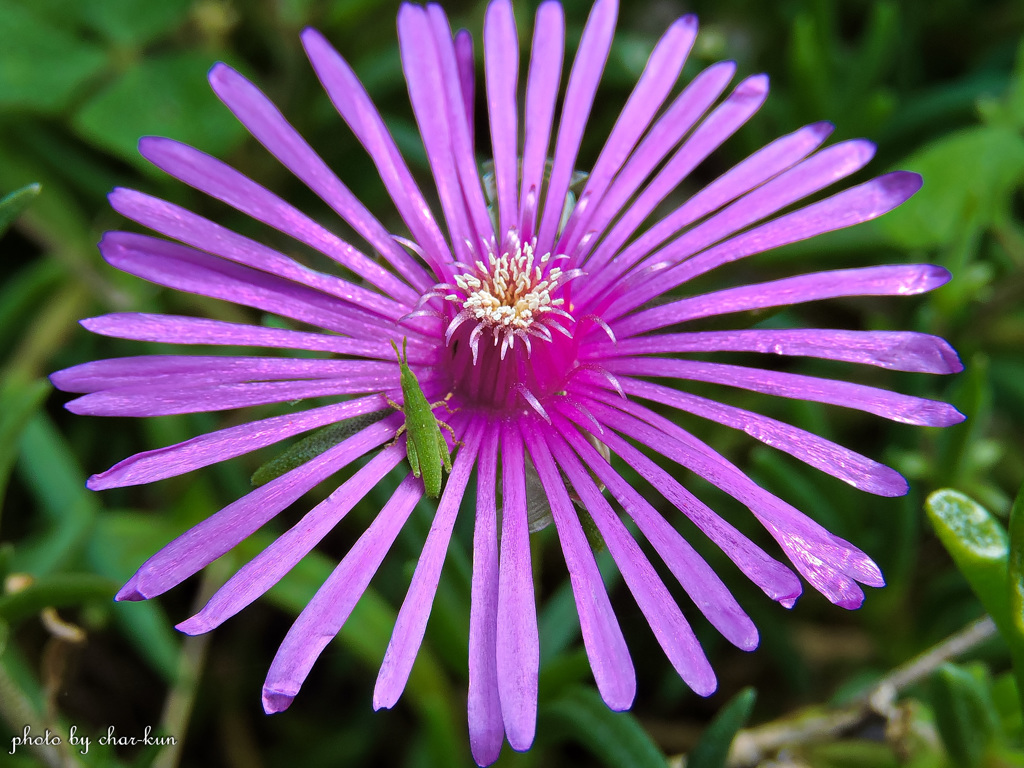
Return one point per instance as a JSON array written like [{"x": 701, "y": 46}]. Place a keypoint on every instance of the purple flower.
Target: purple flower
[{"x": 547, "y": 325}]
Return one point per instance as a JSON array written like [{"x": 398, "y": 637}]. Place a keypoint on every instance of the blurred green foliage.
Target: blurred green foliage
[{"x": 940, "y": 87}]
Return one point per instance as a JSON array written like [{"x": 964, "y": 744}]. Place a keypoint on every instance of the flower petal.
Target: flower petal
[
  {"x": 602, "y": 637},
  {"x": 543, "y": 80},
  {"x": 173, "y": 221},
  {"x": 579, "y": 98},
  {"x": 219, "y": 533},
  {"x": 656, "y": 82},
  {"x": 905, "y": 409},
  {"x": 667, "y": 622},
  {"x": 224, "y": 444},
  {"x": 268, "y": 567},
  {"x": 684, "y": 112},
  {"x": 895, "y": 280},
  {"x": 264, "y": 121},
  {"x": 518, "y": 642},
  {"x": 411, "y": 623},
  {"x": 357, "y": 110},
  {"x": 486, "y": 729},
  {"x": 894, "y": 350},
  {"x": 849, "y": 466},
  {"x": 325, "y": 615},
  {"x": 186, "y": 269},
  {"x": 501, "y": 68}
]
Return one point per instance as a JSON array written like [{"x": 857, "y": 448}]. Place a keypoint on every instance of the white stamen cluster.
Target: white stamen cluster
[{"x": 511, "y": 296}]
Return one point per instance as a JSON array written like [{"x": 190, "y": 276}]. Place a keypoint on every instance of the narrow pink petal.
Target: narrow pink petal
[
  {"x": 219, "y": 533},
  {"x": 772, "y": 577},
  {"x": 652, "y": 89},
  {"x": 852, "y": 206},
  {"x": 725, "y": 120},
  {"x": 467, "y": 75},
  {"x": 357, "y": 110},
  {"x": 518, "y": 641},
  {"x": 895, "y": 280},
  {"x": 849, "y": 466},
  {"x": 264, "y": 121},
  {"x": 186, "y": 269},
  {"x": 268, "y": 567},
  {"x": 486, "y": 729},
  {"x": 168, "y": 370},
  {"x": 219, "y": 180},
  {"x": 759, "y": 167},
  {"x": 176, "y": 222},
  {"x": 458, "y": 126},
  {"x": 602, "y": 637},
  {"x": 817, "y": 172},
  {"x": 501, "y": 66},
  {"x": 411, "y": 623},
  {"x": 684, "y": 112},
  {"x": 325, "y": 615},
  {"x": 895, "y": 350},
  {"x": 667, "y": 622},
  {"x": 579, "y": 98},
  {"x": 543, "y": 81},
  {"x": 143, "y": 400},
  {"x": 905, "y": 409},
  {"x": 214, "y": 447},
  {"x": 427, "y": 93},
  {"x": 693, "y": 573},
  {"x": 832, "y": 565},
  {"x": 180, "y": 329},
  {"x": 764, "y": 164}
]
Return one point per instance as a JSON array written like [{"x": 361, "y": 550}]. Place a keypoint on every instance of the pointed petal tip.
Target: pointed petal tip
[
  {"x": 484, "y": 754},
  {"x": 900, "y": 185},
  {"x": 851, "y": 603},
  {"x": 196, "y": 625},
  {"x": 97, "y": 482},
  {"x": 754, "y": 87},
  {"x": 704, "y": 686},
  {"x": 276, "y": 701},
  {"x": 822, "y": 129},
  {"x": 129, "y": 592},
  {"x": 220, "y": 72}
]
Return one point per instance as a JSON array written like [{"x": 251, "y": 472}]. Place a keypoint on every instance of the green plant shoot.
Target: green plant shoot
[{"x": 425, "y": 447}]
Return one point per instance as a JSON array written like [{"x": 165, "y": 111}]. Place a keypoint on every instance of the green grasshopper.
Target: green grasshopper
[{"x": 425, "y": 447}]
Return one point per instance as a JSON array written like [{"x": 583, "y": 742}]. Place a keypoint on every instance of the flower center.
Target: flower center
[{"x": 511, "y": 296}]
